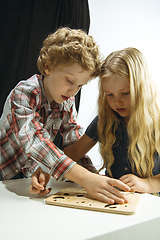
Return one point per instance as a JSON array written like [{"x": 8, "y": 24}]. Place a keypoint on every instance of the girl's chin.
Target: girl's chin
[{"x": 123, "y": 114}]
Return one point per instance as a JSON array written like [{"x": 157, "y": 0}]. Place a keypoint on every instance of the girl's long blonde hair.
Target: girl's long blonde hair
[{"x": 144, "y": 124}]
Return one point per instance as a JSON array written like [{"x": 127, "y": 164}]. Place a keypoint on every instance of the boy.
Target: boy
[{"x": 38, "y": 108}]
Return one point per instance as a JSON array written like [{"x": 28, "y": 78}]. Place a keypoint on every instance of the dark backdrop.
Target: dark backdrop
[{"x": 24, "y": 24}]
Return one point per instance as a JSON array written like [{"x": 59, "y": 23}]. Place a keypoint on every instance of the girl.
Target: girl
[{"x": 128, "y": 123}]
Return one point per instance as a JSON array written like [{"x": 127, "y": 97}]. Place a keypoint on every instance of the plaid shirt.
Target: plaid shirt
[{"x": 29, "y": 126}]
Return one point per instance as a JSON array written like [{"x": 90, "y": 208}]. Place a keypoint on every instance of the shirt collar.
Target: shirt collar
[{"x": 66, "y": 105}]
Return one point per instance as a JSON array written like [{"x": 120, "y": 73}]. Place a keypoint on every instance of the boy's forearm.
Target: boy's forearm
[{"x": 78, "y": 175}]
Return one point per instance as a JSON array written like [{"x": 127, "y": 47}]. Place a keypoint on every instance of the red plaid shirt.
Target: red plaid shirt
[{"x": 28, "y": 128}]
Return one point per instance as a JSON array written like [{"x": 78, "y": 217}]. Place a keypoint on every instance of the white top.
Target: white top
[{"x": 25, "y": 216}]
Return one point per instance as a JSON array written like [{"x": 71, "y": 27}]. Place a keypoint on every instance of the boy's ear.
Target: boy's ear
[{"x": 47, "y": 71}]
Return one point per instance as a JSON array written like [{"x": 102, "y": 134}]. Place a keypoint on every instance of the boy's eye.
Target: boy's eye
[{"x": 69, "y": 81}]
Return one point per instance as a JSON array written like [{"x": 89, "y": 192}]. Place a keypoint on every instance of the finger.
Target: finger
[
  {"x": 133, "y": 189},
  {"x": 103, "y": 198},
  {"x": 126, "y": 181},
  {"x": 119, "y": 184},
  {"x": 109, "y": 198},
  {"x": 33, "y": 190},
  {"x": 42, "y": 179},
  {"x": 131, "y": 185},
  {"x": 116, "y": 195},
  {"x": 123, "y": 177},
  {"x": 45, "y": 192},
  {"x": 36, "y": 184}
]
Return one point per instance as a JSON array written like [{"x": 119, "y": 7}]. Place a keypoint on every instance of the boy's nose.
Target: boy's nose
[{"x": 73, "y": 91}]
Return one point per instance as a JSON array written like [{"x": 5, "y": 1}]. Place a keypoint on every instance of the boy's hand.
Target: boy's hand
[
  {"x": 39, "y": 182},
  {"x": 104, "y": 189},
  {"x": 99, "y": 187}
]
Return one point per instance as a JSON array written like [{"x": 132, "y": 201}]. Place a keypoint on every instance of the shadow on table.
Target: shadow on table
[{"x": 21, "y": 188}]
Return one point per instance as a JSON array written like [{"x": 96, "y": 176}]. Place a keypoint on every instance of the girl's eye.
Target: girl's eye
[
  {"x": 126, "y": 93},
  {"x": 109, "y": 95}
]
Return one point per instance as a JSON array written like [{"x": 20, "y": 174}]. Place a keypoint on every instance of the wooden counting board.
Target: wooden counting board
[{"x": 78, "y": 198}]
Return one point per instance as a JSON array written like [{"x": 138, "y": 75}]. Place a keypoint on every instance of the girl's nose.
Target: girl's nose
[{"x": 118, "y": 100}]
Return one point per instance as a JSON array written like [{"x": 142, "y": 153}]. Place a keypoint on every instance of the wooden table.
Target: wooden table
[{"x": 25, "y": 217}]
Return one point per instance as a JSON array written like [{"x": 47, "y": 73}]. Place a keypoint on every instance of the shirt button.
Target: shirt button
[{"x": 126, "y": 169}]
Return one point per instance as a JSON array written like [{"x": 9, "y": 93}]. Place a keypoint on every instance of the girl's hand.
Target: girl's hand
[
  {"x": 136, "y": 184},
  {"x": 39, "y": 182}
]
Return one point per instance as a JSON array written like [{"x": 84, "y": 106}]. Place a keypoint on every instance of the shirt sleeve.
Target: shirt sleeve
[
  {"x": 70, "y": 130},
  {"x": 32, "y": 137},
  {"x": 91, "y": 130}
]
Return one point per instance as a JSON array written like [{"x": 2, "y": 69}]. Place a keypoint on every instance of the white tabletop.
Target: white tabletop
[{"x": 25, "y": 216}]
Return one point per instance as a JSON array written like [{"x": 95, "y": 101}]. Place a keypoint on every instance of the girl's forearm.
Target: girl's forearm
[
  {"x": 153, "y": 184},
  {"x": 78, "y": 149}
]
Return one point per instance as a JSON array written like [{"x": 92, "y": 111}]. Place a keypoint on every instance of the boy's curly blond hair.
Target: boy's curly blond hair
[{"x": 68, "y": 46}]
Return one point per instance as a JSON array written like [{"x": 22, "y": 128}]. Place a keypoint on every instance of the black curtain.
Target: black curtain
[{"x": 24, "y": 24}]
